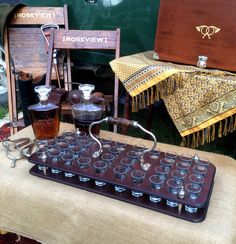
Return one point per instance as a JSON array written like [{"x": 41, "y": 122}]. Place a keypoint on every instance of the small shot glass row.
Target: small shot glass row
[{"x": 173, "y": 187}]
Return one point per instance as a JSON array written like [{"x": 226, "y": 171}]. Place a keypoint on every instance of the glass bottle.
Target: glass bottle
[
  {"x": 44, "y": 116},
  {"x": 86, "y": 112}
]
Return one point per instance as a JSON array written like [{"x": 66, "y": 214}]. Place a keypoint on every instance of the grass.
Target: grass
[{"x": 3, "y": 111}]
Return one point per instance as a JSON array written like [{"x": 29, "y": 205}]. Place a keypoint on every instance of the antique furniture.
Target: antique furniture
[{"x": 26, "y": 48}]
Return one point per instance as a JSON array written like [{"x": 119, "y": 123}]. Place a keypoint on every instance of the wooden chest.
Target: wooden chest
[{"x": 190, "y": 28}]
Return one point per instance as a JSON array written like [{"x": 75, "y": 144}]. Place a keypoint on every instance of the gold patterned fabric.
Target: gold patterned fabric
[{"x": 201, "y": 102}]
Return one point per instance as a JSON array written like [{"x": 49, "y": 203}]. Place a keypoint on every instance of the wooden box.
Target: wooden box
[{"x": 190, "y": 28}]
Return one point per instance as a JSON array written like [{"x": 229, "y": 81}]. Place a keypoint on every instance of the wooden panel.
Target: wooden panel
[
  {"x": 28, "y": 50},
  {"x": 187, "y": 29},
  {"x": 85, "y": 39},
  {"x": 39, "y": 15}
]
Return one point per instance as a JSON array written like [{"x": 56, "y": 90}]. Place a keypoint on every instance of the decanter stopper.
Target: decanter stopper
[
  {"x": 86, "y": 90},
  {"x": 43, "y": 92}
]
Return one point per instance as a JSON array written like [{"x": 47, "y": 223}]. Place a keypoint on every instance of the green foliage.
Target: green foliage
[{"x": 3, "y": 111}]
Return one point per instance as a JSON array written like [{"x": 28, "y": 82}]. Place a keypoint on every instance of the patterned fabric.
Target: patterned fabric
[{"x": 198, "y": 100}]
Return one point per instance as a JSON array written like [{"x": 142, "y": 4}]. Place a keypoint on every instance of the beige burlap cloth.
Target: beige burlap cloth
[
  {"x": 55, "y": 213},
  {"x": 201, "y": 102}
]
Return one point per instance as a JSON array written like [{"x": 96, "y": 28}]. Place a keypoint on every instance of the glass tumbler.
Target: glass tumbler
[
  {"x": 83, "y": 163},
  {"x": 100, "y": 167},
  {"x": 137, "y": 178},
  {"x": 120, "y": 173}
]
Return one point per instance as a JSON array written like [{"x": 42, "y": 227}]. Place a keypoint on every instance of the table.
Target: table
[
  {"x": 201, "y": 102},
  {"x": 54, "y": 213}
]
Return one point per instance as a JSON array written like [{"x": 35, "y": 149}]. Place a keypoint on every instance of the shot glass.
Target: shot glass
[
  {"x": 137, "y": 178},
  {"x": 63, "y": 146},
  {"x": 178, "y": 174},
  {"x": 127, "y": 162},
  {"x": 156, "y": 181},
  {"x": 183, "y": 166},
  {"x": 171, "y": 155},
  {"x": 154, "y": 154},
  {"x": 196, "y": 178},
  {"x": 172, "y": 203},
  {"x": 106, "y": 143},
  {"x": 54, "y": 155},
  {"x": 54, "y": 158},
  {"x": 77, "y": 150},
  {"x": 134, "y": 155},
  {"x": 199, "y": 169},
  {"x": 193, "y": 190},
  {"x": 174, "y": 186},
  {"x": 108, "y": 158},
  {"x": 68, "y": 133},
  {"x": 83, "y": 163},
  {"x": 190, "y": 209},
  {"x": 51, "y": 143},
  {"x": 186, "y": 158},
  {"x": 154, "y": 199},
  {"x": 68, "y": 158},
  {"x": 100, "y": 168},
  {"x": 85, "y": 143},
  {"x": 203, "y": 162},
  {"x": 167, "y": 162},
  {"x": 42, "y": 153},
  {"x": 115, "y": 150},
  {"x": 162, "y": 171},
  {"x": 121, "y": 145},
  {"x": 139, "y": 148},
  {"x": 61, "y": 138},
  {"x": 72, "y": 141},
  {"x": 120, "y": 173}
]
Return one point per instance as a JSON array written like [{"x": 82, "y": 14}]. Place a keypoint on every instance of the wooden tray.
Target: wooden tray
[{"x": 108, "y": 177}]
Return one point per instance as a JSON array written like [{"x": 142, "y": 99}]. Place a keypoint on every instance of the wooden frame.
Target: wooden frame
[{"x": 25, "y": 48}]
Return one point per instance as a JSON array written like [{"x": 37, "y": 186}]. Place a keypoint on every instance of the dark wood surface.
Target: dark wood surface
[{"x": 178, "y": 40}]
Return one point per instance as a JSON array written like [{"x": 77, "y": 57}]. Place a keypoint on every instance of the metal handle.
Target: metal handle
[{"x": 122, "y": 121}]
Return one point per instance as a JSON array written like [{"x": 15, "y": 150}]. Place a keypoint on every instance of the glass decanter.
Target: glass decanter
[
  {"x": 44, "y": 116},
  {"x": 86, "y": 112}
]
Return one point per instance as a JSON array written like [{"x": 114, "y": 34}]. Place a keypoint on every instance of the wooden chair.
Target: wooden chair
[
  {"x": 89, "y": 40},
  {"x": 25, "y": 48}
]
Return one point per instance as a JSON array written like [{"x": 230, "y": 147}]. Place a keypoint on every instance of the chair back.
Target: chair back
[
  {"x": 26, "y": 48},
  {"x": 85, "y": 40}
]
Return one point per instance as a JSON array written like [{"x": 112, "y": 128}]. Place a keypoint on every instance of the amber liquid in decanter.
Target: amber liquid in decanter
[
  {"x": 44, "y": 116},
  {"x": 86, "y": 112}
]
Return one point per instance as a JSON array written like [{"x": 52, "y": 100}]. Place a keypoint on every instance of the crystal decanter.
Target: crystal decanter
[{"x": 44, "y": 116}]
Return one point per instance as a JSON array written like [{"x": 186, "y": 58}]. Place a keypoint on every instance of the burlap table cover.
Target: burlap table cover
[{"x": 54, "y": 213}]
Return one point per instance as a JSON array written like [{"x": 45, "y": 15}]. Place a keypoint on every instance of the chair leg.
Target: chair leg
[{"x": 126, "y": 114}]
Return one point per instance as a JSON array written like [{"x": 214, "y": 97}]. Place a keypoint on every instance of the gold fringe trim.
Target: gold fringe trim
[
  {"x": 220, "y": 130},
  {"x": 158, "y": 91},
  {"x": 203, "y": 138},
  {"x": 225, "y": 128},
  {"x": 235, "y": 122},
  {"x": 209, "y": 134},
  {"x": 213, "y": 133},
  {"x": 231, "y": 125}
]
